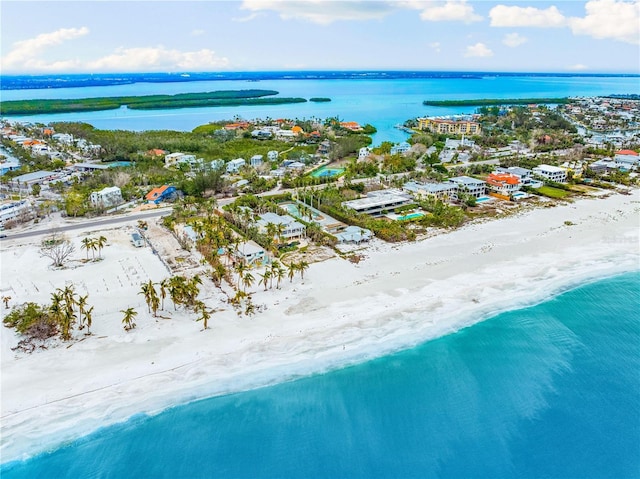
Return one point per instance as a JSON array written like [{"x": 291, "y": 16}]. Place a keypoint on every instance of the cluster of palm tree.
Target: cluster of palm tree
[
  {"x": 182, "y": 291},
  {"x": 64, "y": 305},
  {"x": 93, "y": 245}
]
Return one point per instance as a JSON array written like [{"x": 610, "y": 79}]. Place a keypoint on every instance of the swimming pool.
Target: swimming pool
[
  {"x": 293, "y": 210},
  {"x": 483, "y": 199},
  {"x": 410, "y": 216},
  {"x": 324, "y": 172}
]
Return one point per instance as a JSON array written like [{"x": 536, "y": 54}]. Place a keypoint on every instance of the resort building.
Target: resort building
[
  {"x": 217, "y": 164},
  {"x": 290, "y": 229},
  {"x": 503, "y": 183},
  {"x": 551, "y": 173},
  {"x": 173, "y": 159},
  {"x": 106, "y": 197},
  {"x": 255, "y": 160},
  {"x": 234, "y": 165},
  {"x": 444, "y": 125},
  {"x": 626, "y": 159},
  {"x": 469, "y": 186},
  {"x": 440, "y": 191},
  {"x": 378, "y": 203},
  {"x": 36, "y": 178}
]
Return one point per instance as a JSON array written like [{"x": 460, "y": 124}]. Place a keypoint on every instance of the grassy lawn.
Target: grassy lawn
[{"x": 551, "y": 192}]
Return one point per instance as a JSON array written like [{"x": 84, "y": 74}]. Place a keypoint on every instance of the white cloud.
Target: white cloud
[
  {"x": 197, "y": 32},
  {"x": 617, "y": 20},
  {"x": 511, "y": 16},
  {"x": 478, "y": 50},
  {"x": 451, "y": 10},
  {"x": 25, "y": 52},
  {"x": 321, "y": 11},
  {"x": 435, "y": 46},
  {"x": 157, "y": 58},
  {"x": 31, "y": 56},
  {"x": 513, "y": 40},
  {"x": 325, "y": 12},
  {"x": 577, "y": 67}
]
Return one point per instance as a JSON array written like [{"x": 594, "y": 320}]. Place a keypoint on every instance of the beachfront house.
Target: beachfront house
[
  {"x": 106, "y": 197},
  {"x": 363, "y": 153},
  {"x": 551, "y": 173},
  {"x": 469, "y": 186},
  {"x": 381, "y": 202},
  {"x": 354, "y": 235},
  {"x": 504, "y": 184},
  {"x": 525, "y": 176},
  {"x": 250, "y": 253},
  {"x": 234, "y": 165},
  {"x": 440, "y": 191},
  {"x": 290, "y": 229},
  {"x": 14, "y": 210},
  {"x": 626, "y": 160}
]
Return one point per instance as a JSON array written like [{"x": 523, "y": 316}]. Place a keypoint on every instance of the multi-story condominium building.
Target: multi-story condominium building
[{"x": 444, "y": 125}]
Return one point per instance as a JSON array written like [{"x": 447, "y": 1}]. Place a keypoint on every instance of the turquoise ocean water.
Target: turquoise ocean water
[
  {"x": 552, "y": 390},
  {"x": 383, "y": 103}
]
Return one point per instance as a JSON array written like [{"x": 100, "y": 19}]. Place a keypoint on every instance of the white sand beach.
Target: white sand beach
[{"x": 396, "y": 297}]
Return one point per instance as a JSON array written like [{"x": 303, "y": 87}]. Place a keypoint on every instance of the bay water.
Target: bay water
[
  {"x": 383, "y": 103},
  {"x": 552, "y": 390}
]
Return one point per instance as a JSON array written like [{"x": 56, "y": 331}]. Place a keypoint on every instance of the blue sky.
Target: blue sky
[{"x": 252, "y": 35}]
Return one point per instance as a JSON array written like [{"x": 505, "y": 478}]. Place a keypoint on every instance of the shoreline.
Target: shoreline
[{"x": 398, "y": 297}]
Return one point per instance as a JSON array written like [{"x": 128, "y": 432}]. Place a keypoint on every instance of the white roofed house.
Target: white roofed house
[
  {"x": 289, "y": 228},
  {"x": 251, "y": 253},
  {"x": 470, "y": 186},
  {"x": 272, "y": 155},
  {"x": 400, "y": 148},
  {"x": 378, "y": 203},
  {"x": 255, "y": 160},
  {"x": 106, "y": 198},
  {"x": 551, "y": 173},
  {"x": 172, "y": 159},
  {"x": 441, "y": 191},
  {"x": 234, "y": 165}
]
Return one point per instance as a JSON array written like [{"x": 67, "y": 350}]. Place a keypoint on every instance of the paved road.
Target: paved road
[{"x": 91, "y": 223}]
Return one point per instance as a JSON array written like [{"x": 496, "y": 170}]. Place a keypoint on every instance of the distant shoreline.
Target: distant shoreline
[
  {"x": 496, "y": 101},
  {"x": 32, "y": 82},
  {"x": 146, "y": 102}
]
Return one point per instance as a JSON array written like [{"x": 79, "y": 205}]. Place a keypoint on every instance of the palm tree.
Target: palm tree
[
  {"x": 265, "y": 278},
  {"x": 82, "y": 302},
  {"x": 88, "y": 318},
  {"x": 248, "y": 280},
  {"x": 100, "y": 243},
  {"x": 240, "y": 268},
  {"x": 145, "y": 290},
  {"x": 205, "y": 314},
  {"x": 302, "y": 266},
  {"x": 291, "y": 271},
  {"x": 128, "y": 319},
  {"x": 164, "y": 286},
  {"x": 86, "y": 245},
  {"x": 5, "y": 300},
  {"x": 279, "y": 273},
  {"x": 55, "y": 309}
]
